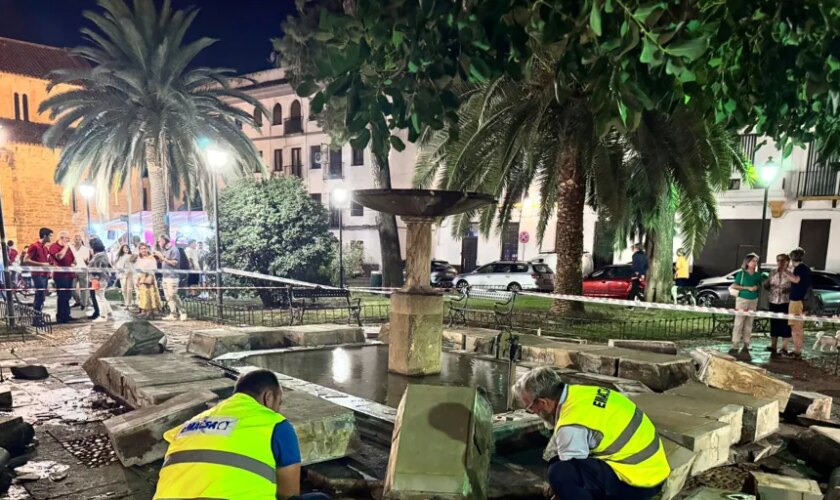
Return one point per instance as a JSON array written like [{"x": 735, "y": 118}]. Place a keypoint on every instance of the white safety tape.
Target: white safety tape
[
  {"x": 684, "y": 308},
  {"x": 289, "y": 281},
  {"x": 109, "y": 270}
]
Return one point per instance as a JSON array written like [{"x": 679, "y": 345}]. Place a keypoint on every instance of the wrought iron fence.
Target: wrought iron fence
[
  {"x": 25, "y": 317},
  {"x": 259, "y": 315}
]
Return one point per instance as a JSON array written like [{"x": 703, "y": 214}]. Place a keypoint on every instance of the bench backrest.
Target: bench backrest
[
  {"x": 497, "y": 295},
  {"x": 320, "y": 293}
]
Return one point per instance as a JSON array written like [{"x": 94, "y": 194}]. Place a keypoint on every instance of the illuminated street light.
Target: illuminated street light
[
  {"x": 216, "y": 159},
  {"x": 768, "y": 173},
  {"x": 87, "y": 191},
  {"x": 339, "y": 198}
]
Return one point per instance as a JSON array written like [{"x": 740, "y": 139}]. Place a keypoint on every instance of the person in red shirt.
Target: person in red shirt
[
  {"x": 36, "y": 255},
  {"x": 61, "y": 256},
  {"x": 13, "y": 253}
]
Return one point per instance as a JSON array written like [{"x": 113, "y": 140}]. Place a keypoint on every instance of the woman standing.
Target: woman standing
[
  {"x": 99, "y": 267},
  {"x": 779, "y": 288},
  {"x": 145, "y": 265},
  {"x": 123, "y": 263},
  {"x": 747, "y": 283}
]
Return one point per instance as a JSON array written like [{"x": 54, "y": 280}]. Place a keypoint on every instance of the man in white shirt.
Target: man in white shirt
[{"x": 82, "y": 255}]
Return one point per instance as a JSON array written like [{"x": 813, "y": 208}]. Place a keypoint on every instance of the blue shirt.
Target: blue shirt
[
  {"x": 640, "y": 263},
  {"x": 284, "y": 444},
  {"x": 798, "y": 290}
]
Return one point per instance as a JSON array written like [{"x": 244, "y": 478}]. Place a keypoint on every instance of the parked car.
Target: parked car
[
  {"x": 442, "y": 275},
  {"x": 509, "y": 275},
  {"x": 614, "y": 282}
]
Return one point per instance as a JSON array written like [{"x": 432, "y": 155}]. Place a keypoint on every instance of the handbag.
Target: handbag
[{"x": 732, "y": 291}]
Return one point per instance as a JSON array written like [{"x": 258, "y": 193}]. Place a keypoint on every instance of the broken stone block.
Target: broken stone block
[
  {"x": 705, "y": 493},
  {"x": 318, "y": 335},
  {"x": 680, "y": 459},
  {"x": 761, "y": 416},
  {"x": 452, "y": 426},
  {"x": 132, "y": 338},
  {"x": 819, "y": 447},
  {"x": 5, "y": 398},
  {"x": 326, "y": 431},
  {"x": 811, "y": 404},
  {"x": 137, "y": 436},
  {"x": 754, "y": 452},
  {"x": 416, "y": 320},
  {"x": 208, "y": 344},
  {"x": 263, "y": 337},
  {"x": 833, "y": 491},
  {"x": 15, "y": 435},
  {"x": 729, "y": 414},
  {"x": 723, "y": 374},
  {"x": 658, "y": 346},
  {"x": 30, "y": 372},
  {"x": 660, "y": 372},
  {"x": 622, "y": 385},
  {"x": 603, "y": 362},
  {"x": 773, "y": 487}
]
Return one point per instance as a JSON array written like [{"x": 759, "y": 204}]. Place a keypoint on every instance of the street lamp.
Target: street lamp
[
  {"x": 87, "y": 191},
  {"x": 339, "y": 198},
  {"x": 216, "y": 159},
  {"x": 768, "y": 173}
]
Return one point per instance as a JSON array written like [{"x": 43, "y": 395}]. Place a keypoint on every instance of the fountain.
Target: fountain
[{"x": 417, "y": 309}]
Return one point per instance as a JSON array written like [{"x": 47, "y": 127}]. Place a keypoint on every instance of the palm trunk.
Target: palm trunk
[
  {"x": 660, "y": 250},
  {"x": 568, "y": 243},
  {"x": 157, "y": 180},
  {"x": 389, "y": 238}
]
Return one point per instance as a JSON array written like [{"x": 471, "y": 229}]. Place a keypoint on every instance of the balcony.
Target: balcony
[
  {"x": 293, "y": 125},
  {"x": 296, "y": 169},
  {"x": 816, "y": 184}
]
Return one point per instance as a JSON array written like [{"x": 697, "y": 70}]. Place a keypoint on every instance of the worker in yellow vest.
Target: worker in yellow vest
[
  {"x": 607, "y": 448},
  {"x": 241, "y": 449}
]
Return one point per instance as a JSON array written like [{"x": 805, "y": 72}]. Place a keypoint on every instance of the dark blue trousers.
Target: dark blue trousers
[
  {"x": 312, "y": 496},
  {"x": 592, "y": 479}
]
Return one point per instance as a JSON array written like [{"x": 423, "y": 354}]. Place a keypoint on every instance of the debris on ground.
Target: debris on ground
[{"x": 30, "y": 372}]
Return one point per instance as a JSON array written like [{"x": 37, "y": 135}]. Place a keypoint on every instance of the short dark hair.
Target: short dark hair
[
  {"x": 96, "y": 245},
  {"x": 165, "y": 237},
  {"x": 10, "y": 243},
  {"x": 797, "y": 254},
  {"x": 256, "y": 382},
  {"x": 44, "y": 232}
]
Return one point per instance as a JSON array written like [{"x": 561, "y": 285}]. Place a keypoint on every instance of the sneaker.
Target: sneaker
[
  {"x": 784, "y": 353},
  {"x": 183, "y": 316},
  {"x": 775, "y": 355},
  {"x": 746, "y": 348},
  {"x": 733, "y": 352},
  {"x": 100, "y": 319},
  {"x": 769, "y": 349}
]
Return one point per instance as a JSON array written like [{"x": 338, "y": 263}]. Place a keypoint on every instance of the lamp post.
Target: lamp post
[
  {"x": 768, "y": 174},
  {"x": 216, "y": 159},
  {"x": 87, "y": 191},
  {"x": 339, "y": 198}
]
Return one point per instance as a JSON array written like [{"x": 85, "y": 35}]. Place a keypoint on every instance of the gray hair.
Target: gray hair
[{"x": 542, "y": 382}]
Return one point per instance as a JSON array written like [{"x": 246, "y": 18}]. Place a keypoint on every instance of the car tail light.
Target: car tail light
[{"x": 536, "y": 276}]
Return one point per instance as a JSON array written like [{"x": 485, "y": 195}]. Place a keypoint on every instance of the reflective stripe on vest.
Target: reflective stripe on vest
[
  {"x": 629, "y": 444},
  {"x": 222, "y": 458}
]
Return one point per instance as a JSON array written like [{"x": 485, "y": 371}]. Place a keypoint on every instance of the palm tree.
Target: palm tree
[
  {"x": 139, "y": 107},
  {"x": 515, "y": 135}
]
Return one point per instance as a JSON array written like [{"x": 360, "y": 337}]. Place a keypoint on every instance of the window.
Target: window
[
  {"x": 749, "y": 143},
  {"x": 315, "y": 157},
  {"x": 297, "y": 164},
  {"x": 734, "y": 184},
  {"x": 145, "y": 198},
  {"x": 73, "y": 201},
  {"x": 293, "y": 124},
  {"x": 485, "y": 269},
  {"x": 519, "y": 268},
  {"x": 501, "y": 268},
  {"x": 542, "y": 269},
  {"x": 335, "y": 216},
  {"x": 25, "y": 108},
  {"x": 358, "y": 157},
  {"x": 624, "y": 272},
  {"x": 316, "y": 197},
  {"x": 356, "y": 210},
  {"x": 17, "y": 106},
  {"x": 277, "y": 115},
  {"x": 336, "y": 169},
  {"x": 257, "y": 117},
  {"x": 278, "y": 160}
]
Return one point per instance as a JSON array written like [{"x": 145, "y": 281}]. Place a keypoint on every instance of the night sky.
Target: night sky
[{"x": 243, "y": 28}]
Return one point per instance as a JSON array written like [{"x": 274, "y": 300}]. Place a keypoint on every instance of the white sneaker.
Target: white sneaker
[
  {"x": 171, "y": 317},
  {"x": 183, "y": 316},
  {"x": 100, "y": 319}
]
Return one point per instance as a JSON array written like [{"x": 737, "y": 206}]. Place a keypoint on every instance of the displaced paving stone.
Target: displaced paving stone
[
  {"x": 318, "y": 335},
  {"x": 30, "y": 372},
  {"x": 680, "y": 459},
  {"x": 660, "y": 372},
  {"x": 471, "y": 339},
  {"x": 137, "y": 436},
  {"x": 761, "y": 416},
  {"x": 208, "y": 344},
  {"x": 754, "y": 452},
  {"x": 773, "y": 487},
  {"x": 811, "y": 404},
  {"x": 15, "y": 435},
  {"x": 658, "y": 346},
  {"x": 723, "y": 374},
  {"x": 5, "y": 398},
  {"x": 262, "y": 337},
  {"x": 729, "y": 414},
  {"x": 326, "y": 431},
  {"x": 604, "y": 361},
  {"x": 819, "y": 447},
  {"x": 622, "y": 385},
  {"x": 452, "y": 426},
  {"x": 132, "y": 338}
]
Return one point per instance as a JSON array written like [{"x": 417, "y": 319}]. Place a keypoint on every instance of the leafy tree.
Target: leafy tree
[
  {"x": 274, "y": 227},
  {"x": 140, "y": 107}
]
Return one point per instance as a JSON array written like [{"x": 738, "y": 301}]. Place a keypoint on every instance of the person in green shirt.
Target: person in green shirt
[{"x": 748, "y": 283}]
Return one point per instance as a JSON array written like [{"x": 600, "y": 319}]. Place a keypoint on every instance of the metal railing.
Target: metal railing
[
  {"x": 25, "y": 317},
  {"x": 259, "y": 315},
  {"x": 293, "y": 125},
  {"x": 817, "y": 182}
]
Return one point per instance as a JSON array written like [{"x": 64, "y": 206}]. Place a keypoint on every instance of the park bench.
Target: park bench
[
  {"x": 303, "y": 299},
  {"x": 502, "y": 306}
]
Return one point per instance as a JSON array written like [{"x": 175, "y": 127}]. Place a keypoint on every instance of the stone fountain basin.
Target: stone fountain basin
[{"x": 421, "y": 202}]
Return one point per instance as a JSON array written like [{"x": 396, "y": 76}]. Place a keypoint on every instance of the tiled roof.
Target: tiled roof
[
  {"x": 22, "y": 132},
  {"x": 32, "y": 59}
]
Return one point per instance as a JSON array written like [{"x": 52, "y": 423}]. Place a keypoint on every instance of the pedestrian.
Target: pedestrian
[
  {"x": 100, "y": 268},
  {"x": 62, "y": 256},
  {"x": 170, "y": 257},
  {"x": 123, "y": 263},
  {"x": 148, "y": 297},
  {"x": 192, "y": 257},
  {"x": 681, "y": 275},
  {"x": 241, "y": 449},
  {"x": 13, "y": 255},
  {"x": 747, "y": 283},
  {"x": 639, "y": 267},
  {"x": 606, "y": 447},
  {"x": 38, "y": 255},
  {"x": 81, "y": 283},
  {"x": 202, "y": 265},
  {"x": 778, "y": 285},
  {"x": 801, "y": 282}
]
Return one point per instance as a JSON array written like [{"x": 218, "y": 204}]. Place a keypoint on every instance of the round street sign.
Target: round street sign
[{"x": 524, "y": 237}]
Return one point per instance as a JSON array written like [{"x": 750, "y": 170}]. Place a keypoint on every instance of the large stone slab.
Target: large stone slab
[
  {"x": 724, "y": 374},
  {"x": 208, "y": 344},
  {"x": 775, "y": 487},
  {"x": 729, "y": 414},
  {"x": 137, "y": 436},
  {"x": 811, "y": 404},
  {"x": 326, "y": 431},
  {"x": 544, "y": 351},
  {"x": 6, "y": 398},
  {"x": 471, "y": 339},
  {"x": 318, "y": 335},
  {"x": 441, "y": 445},
  {"x": 263, "y": 337},
  {"x": 131, "y": 338},
  {"x": 680, "y": 459},
  {"x": 415, "y": 343},
  {"x": 622, "y": 385},
  {"x": 658, "y": 346},
  {"x": 819, "y": 447},
  {"x": 761, "y": 416},
  {"x": 660, "y": 372}
]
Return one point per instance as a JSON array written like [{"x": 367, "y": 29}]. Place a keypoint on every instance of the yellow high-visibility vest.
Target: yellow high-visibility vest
[
  {"x": 630, "y": 445},
  {"x": 224, "y": 452}
]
